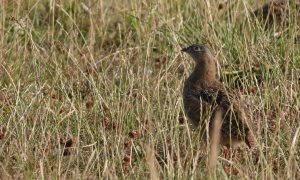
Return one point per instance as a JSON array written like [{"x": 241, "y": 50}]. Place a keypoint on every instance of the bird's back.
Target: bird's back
[{"x": 236, "y": 124}]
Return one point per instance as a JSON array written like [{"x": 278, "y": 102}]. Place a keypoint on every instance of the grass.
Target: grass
[{"x": 92, "y": 89}]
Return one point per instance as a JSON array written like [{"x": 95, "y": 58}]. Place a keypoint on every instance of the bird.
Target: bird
[
  {"x": 204, "y": 92},
  {"x": 273, "y": 14}
]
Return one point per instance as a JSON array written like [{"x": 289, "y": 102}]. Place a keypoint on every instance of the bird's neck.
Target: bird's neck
[{"x": 204, "y": 74}]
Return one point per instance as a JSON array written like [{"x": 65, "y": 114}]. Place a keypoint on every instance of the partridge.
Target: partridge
[{"x": 203, "y": 92}]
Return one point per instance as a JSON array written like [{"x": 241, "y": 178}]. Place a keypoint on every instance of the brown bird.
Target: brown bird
[
  {"x": 203, "y": 91},
  {"x": 273, "y": 14}
]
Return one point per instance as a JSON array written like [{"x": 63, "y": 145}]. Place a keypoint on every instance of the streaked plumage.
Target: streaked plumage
[{"x": 203, "y": 92}]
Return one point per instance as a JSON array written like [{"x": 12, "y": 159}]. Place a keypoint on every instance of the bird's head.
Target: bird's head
[
  {"x": 205, "y": 61},
  {"x": 197, "y": 52}
]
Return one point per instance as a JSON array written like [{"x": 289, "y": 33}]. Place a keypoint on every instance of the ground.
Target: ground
[{"x": 93, "y": 88}]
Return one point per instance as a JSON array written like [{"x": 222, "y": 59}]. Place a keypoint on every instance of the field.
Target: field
[{"x": 92, "y": 89}]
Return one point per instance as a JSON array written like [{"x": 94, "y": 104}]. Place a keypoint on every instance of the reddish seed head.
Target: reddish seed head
[
  {"x": 66, "y": 142},
  {"x": 62, "y": 110},
  {"x": 125, "y": 167},
  {"x": 1, "y": 136},
  {"x": 134, "y": 134},
  {"x": 126, "y": 159},
  {"x": 54, "y": 96},
  {"x": 127, "y": 144},
  {"x": 159, "y": 62},
  {"x": 181, "y": 120},
  {"x": 253, "y": 90},
  {"x": 221, "y": 6},
  {"x": 89, "y": 71},
  {"x": 89, "y": 104}
]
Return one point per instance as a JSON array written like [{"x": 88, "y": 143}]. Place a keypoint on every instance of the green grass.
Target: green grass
[{"x": 108, "y": 76}]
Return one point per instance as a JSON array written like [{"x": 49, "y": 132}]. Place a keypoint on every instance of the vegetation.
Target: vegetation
[{"x": 93, "y": 88}]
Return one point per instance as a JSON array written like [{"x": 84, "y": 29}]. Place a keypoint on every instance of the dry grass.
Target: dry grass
[
  {"x": 214, "y": 142},
  {"x": 85, "y": 85}
]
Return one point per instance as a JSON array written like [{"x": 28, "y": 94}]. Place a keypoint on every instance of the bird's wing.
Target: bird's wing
[
  {"x": 218, "y": 93},
  {"x": 230, "y": 101}
]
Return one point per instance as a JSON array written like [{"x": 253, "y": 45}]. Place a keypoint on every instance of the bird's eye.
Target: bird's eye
[{"x": 196, "y": 48}]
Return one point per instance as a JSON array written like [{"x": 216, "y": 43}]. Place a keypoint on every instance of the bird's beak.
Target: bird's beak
[{"x": 184, "y": 49}]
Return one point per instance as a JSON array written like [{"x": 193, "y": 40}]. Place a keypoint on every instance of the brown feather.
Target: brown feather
[{"x": 203, "y": 91}]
